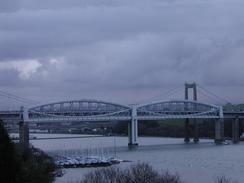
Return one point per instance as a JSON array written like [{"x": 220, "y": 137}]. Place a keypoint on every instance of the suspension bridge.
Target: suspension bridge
[{"x": 98, "y": 111}]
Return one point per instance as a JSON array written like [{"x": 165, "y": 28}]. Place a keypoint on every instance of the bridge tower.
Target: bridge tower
[
  {"x": 192, "y": 86},
  {"x": 23, "y": 129},
  {"x": 133, "y": 127}
]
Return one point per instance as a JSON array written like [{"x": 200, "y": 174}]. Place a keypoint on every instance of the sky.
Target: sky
[{"x": 125, "y": 51}]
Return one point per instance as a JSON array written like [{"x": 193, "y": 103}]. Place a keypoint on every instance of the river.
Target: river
[{"x": 195, "y": 163}]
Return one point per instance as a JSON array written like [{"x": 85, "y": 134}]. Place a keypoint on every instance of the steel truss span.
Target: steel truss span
[{"x": 96, "y": 110}]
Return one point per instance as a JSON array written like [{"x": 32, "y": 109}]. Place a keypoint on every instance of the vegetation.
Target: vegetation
[
  {"x": 36, "y": 166},
  {"x": 223, "y": 179},
  {"x": 233, "y": 107},
  {"x": 10, "y": 167},
  {"x": 174, "y": 128},
  {"x": 167, "y": 128},
  {"x": 139, "y": 173},
  {"x": 21, "y": 165}
]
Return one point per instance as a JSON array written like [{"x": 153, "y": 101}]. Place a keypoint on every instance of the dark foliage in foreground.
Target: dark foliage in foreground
[
  {"x": 223, "y": 179},
  {"x": 36, "y": 166},
  {"x": 139, "y": 173},
  {"x": 21, "y": 165},
  {"x": 10, "y": 167}
]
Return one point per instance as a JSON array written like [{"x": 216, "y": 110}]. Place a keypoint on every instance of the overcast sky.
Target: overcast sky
[{"x": 124, "y": 51}]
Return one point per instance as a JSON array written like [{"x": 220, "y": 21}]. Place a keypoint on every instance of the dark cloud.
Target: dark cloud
[
  {"x": 123, "y": 51},
  {"x": 9, "y": 6}
]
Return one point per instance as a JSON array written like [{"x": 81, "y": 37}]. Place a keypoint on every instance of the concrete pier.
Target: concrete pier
[
  {"x": 196, "y": 131},
  {"x": 236, "y": 130},
  {"x": 133, "y": 128},
  {"x": 187, "y": 131},
  {"x": 23, "y": 130},
  {"x": 24, "y": 134},
  {"x": 219, "y": 131}
]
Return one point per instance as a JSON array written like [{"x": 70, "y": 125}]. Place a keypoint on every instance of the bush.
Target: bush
[
  {"x": 21, "y": 165},
  {"x": 36, "y": 166},
  {"x": 10, "y": 165},
  {"x": 139, "y": 173},
  {"x": 223, "y": 179}
]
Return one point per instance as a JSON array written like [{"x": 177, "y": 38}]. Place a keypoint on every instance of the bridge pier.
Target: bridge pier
[
  {"x": 133, "y": 132},
  {"x": 24, "y": 134},
  {"x": 196, "y": 131},
  {"x": 187, "y": 131},
  {"x": 236, "y": 130},
  {"x": 133, "y": 128},
  {"x": 219, "y": 131},
  {"x": 23, "y": 130}
]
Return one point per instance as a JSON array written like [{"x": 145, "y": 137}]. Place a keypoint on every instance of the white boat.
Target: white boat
[{"x": 226, "y": 143}]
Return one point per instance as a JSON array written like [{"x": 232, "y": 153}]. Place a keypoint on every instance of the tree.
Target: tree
[
  {"x": 139, "y": 173},
  {"x": 23, "y": 165},
  {"x": 9, "y": 164}
]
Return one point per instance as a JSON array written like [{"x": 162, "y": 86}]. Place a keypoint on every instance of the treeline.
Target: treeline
[
  {"x": 138, "y": 173},
  {"x": 173, "y": 128},
  {"x": 22, "y": 165}
]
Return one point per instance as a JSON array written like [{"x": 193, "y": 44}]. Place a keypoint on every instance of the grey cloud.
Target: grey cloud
[
  {"x": 9, "y": 6},
  {"x": 122, "y": 50}
]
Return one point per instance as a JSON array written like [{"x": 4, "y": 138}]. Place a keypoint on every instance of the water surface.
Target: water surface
[{"x": 195, "y": 163}]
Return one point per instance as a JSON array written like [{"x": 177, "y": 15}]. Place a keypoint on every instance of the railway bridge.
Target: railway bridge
[{"x": 97, "y": 110}]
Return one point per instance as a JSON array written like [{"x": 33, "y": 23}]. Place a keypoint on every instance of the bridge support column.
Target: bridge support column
[
  {"x": 133, "y": 128},
  {"x": 23, "y": 130},
  {"x": 196, "y": 131},
  {"x": 236, "y": 130},
  {"x": 24, "y": 134},
  {"x": 219, "y": 131},
  {"x": 187, "y": 131}
]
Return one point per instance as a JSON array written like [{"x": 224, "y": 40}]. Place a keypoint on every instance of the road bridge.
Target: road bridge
[{"x": 97, "y": 110}]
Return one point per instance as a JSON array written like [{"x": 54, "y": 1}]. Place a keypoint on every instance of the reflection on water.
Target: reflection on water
[{"x": 196, "y": 163}]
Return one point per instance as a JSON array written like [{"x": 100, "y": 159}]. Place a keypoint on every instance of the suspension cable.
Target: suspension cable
[
  {"x": 17, "y": 98},
  {"x": 164, "y": 95},
  {"x": 214, "y": 95},
  {"x": 211, "y": 98}
]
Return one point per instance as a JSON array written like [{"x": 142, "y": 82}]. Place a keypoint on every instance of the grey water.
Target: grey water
[{"x": 195, "y": 163}]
